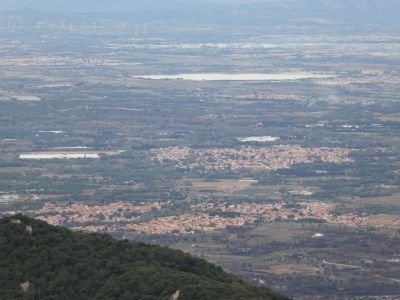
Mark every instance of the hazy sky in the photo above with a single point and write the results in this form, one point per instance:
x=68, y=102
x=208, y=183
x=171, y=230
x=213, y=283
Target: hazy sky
x=363, y=5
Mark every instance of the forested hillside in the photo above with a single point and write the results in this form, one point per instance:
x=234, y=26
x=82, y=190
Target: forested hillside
x=39, y=261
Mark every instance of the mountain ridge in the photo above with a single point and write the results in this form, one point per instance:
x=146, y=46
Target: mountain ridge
x=40, y=261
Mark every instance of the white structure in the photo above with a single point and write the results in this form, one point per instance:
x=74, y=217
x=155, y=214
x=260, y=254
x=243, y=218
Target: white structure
x=58, y=155
x=260, y=139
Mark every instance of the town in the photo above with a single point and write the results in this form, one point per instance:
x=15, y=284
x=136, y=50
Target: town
x=269, y=158
x=125, y=217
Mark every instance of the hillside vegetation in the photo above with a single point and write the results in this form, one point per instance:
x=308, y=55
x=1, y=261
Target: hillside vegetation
x=39, y=261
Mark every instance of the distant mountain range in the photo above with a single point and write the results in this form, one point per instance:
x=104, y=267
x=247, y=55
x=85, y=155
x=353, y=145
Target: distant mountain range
x=39, y=261
x=323, y=13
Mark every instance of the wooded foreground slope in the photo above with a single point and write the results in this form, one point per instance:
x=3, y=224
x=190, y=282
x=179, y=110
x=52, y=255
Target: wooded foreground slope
x=39, y=261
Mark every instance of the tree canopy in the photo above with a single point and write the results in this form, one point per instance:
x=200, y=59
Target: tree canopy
x=39, y=261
